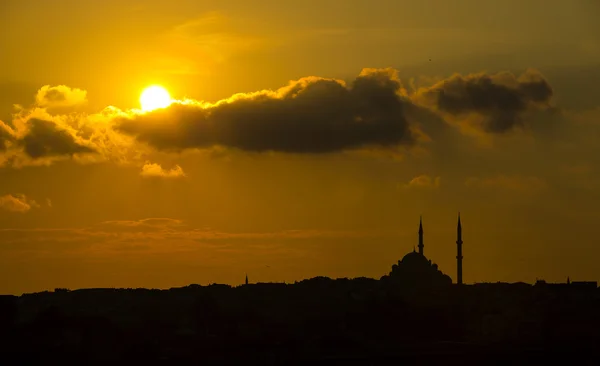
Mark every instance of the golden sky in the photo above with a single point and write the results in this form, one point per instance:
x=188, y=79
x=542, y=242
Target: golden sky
x=303, y=139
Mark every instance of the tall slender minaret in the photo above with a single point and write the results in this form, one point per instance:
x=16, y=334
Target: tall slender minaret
x=459, y=256
x=421, y=246
x=246, y=278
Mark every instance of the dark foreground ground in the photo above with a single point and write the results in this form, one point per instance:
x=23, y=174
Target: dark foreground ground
x=430, y=354
x=318, y=321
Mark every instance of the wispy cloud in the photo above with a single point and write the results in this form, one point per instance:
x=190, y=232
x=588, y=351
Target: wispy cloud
x=161, y=235
x=423, y=181
x=156, y=170
x=197, y=45
x=17, y=203
x=60, y=96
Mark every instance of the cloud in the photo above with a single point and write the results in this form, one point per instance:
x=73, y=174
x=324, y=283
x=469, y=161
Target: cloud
x=46, y=139
x=498, y=100
x=163, y=236
x=513, y=183
x=161, y=222
x=311, y=115
x=374, y=114
x=17, y=203
x=213, y=35
x=156, y=170
x=174, y=228
x=39, y=138
x=6, y=135
x=141, y=225
x=50, y=130
x=423, y=181
x=204, y=42
x=60, y=96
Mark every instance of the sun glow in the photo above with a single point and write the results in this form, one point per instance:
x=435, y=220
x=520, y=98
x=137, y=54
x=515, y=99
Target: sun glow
x=154, y=97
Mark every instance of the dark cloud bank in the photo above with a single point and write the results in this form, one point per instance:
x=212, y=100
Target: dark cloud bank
x=44, y=139
x=311, y=115
x=315, y=115
x=500, y=98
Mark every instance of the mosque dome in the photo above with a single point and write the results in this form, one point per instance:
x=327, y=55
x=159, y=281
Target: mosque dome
x=414, y=257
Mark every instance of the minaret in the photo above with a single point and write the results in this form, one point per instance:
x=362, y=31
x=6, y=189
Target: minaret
x=246, y=278
x=459, y=256
x=421, y=236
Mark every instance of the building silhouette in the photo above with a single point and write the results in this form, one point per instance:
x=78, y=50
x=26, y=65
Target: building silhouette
x=421, y=245
x=459, y=257
x=415, y=269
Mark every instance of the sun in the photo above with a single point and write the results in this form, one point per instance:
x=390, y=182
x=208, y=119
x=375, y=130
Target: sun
x=154, y=97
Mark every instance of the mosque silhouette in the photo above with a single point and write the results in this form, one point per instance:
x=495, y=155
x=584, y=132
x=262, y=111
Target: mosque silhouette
x=415, y=269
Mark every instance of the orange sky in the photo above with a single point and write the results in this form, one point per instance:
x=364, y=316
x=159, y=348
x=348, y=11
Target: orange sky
x=303, y=140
